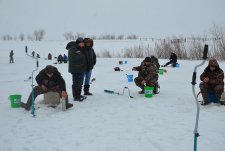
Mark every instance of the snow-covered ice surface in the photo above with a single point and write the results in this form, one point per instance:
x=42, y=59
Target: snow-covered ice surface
x=106, y=122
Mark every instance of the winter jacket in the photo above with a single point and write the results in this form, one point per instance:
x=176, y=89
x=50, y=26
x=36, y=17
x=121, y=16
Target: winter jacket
x=60, y=58
x=216, y=77
x=77, y=59
x=50, y=82
x=91, y=57
x=154, y=61
x=11, y=54
x=173, y=57
x=148, y=72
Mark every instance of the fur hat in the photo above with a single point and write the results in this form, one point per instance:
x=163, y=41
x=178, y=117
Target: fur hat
x=70, y=44
x=49, y=69
x=79, y=40
x=213, y=62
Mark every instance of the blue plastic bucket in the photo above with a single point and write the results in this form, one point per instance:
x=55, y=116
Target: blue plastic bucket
x=130, y=78
x=178, y=65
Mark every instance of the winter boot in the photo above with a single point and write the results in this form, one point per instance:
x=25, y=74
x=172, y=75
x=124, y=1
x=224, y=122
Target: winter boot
x=86, y=90
x=142, y=90
x=73, y=90
x=23, y=105
x=77, y=94
x=80, y=90
x=156, y=88
x=68, y=105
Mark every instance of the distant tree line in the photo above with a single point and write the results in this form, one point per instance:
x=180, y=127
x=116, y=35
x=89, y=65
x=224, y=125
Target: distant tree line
x=74, y=36
x=37, y=35
x=185, y=48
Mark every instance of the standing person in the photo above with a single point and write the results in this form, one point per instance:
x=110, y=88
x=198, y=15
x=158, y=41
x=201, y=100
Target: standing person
x=148, y=75
x=91, y=61
x=49, y=56
x=33, y=54
x=77, y=66
x=212, y=81
x=49, y=80
x=173, y=60
x=65, y=58
x=11, y=60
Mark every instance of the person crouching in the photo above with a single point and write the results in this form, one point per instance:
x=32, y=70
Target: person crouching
x=148, y=75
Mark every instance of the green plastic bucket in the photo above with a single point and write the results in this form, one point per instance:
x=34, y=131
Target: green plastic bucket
x=148, y=91
x=15, y=100
x=161, y=71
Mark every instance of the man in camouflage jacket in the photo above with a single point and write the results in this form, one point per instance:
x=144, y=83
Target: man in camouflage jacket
x=212, y=80
x=148, y=75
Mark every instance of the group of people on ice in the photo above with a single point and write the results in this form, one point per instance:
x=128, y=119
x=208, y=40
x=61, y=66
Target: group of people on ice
x=82, y=59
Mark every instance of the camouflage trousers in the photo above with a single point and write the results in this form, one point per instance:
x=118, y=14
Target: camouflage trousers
x=38, y=90
x=138, y=81
x=204, y=88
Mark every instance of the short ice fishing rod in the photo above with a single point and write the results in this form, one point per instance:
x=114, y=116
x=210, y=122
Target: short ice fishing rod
x=196, y=134
x=113, y=92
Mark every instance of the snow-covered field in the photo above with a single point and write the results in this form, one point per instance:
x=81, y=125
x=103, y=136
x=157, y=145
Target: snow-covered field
x=105, y=122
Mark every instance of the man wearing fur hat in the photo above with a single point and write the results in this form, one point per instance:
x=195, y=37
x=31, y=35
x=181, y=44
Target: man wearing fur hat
x=212, y=81
x=77, y=66
x=148, y=75
x=49, y=80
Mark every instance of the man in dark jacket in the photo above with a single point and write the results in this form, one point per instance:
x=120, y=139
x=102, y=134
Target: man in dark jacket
x=173, y=60
x=77, y=66
x=49, y=80
x=60, y=59
x=65, y=58
x=11, y=60
x=148, y=75
x=212, y=81
x=91, y=61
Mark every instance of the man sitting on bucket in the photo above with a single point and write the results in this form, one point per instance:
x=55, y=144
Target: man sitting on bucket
x=212, y=82
x=49, y=80
x=148, y=75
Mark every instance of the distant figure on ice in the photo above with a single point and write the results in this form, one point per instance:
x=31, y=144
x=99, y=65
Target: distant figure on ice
x=65, y=58
x=49, y=56
x=37, y=56
x=173, y=60
x=11, y=60
x=148, y=75
x=212, y=81
x=33, y=54
x=91, y=61
x=60, y=59
x=26, y=49
x=49, y=80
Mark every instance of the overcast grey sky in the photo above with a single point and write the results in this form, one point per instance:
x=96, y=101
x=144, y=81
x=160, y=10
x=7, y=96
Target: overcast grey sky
x=146, y=18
